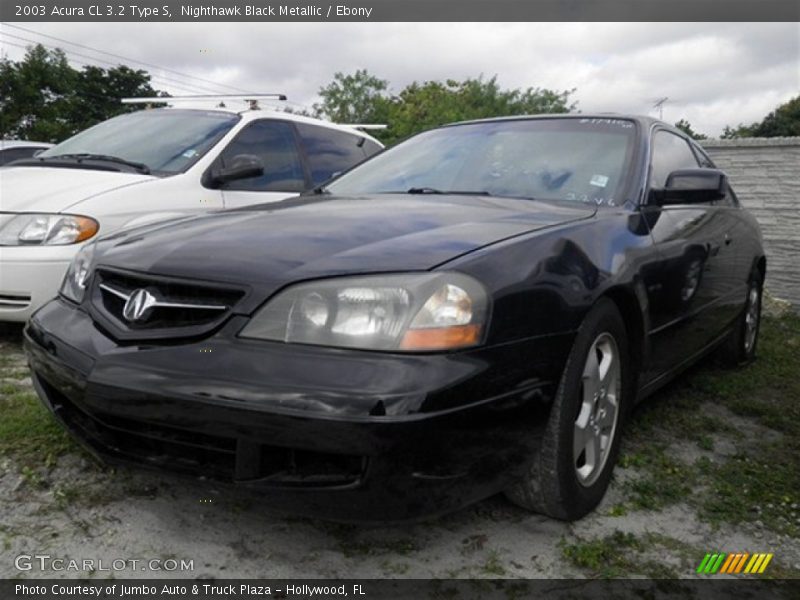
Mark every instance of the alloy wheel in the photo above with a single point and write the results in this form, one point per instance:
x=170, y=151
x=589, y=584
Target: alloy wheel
x=596, y=423
x=751, y=317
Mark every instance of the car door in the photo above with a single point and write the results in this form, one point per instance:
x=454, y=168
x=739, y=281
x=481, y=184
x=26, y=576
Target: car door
x=739, y=255
x=694, y=265
x=274, y=142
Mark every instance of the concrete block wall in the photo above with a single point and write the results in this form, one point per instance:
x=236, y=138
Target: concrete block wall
x=765, y=174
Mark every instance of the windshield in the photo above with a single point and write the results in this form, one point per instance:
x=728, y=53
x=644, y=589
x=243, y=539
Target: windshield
x=581, y=160
x=167, y=141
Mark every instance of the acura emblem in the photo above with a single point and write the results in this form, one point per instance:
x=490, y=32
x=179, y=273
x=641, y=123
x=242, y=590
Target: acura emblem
x=138, y=304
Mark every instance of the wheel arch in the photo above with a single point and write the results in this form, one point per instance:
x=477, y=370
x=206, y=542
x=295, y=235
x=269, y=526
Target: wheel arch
x=761, y=267
x=633, y=317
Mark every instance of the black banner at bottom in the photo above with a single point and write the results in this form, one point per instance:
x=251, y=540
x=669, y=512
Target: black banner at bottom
x=372, y=589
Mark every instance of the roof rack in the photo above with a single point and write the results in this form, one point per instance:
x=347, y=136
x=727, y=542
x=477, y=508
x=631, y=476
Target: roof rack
x=250, y=99
x=365, y=126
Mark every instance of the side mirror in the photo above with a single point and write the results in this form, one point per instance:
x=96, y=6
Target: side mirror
x=242, y=166
x=692, y=186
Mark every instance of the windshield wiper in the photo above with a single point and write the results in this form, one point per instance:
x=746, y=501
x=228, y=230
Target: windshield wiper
x=141, y=167
x=430, y=190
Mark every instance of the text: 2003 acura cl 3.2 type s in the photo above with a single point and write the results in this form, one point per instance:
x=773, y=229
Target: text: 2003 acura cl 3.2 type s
x=472, y=311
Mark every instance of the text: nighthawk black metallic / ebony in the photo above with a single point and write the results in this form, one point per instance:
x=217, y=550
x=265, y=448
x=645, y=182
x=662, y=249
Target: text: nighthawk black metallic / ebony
x=473, y=311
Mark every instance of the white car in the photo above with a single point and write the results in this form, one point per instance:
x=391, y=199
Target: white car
x=152, y=165
x=11, y=150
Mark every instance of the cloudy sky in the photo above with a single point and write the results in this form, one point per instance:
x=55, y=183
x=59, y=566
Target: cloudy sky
x=713, y=74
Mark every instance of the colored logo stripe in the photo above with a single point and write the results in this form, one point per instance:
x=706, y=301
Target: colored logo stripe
x=738, y=562
x=726, y=566
x=711, y=563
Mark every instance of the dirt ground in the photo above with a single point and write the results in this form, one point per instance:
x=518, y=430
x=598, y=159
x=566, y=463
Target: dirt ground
x=651, y=523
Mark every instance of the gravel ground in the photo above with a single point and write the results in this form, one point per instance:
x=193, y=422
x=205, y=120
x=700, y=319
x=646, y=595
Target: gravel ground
x=70, y=507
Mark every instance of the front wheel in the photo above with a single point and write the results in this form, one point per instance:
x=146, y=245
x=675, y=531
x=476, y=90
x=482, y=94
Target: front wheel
x=570, y=473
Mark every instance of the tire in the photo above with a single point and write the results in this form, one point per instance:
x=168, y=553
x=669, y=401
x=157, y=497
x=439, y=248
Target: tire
x=739, y=348
x=568, y=476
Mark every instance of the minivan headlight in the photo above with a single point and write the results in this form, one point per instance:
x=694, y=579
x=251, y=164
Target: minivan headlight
x=73, y=287
x=39, y=229
x=405, y=312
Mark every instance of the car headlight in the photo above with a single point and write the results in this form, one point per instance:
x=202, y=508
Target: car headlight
x=75, y=281
x=36, y=229
x=407, y=313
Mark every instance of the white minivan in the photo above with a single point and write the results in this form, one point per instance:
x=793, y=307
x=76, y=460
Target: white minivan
x=152, y=165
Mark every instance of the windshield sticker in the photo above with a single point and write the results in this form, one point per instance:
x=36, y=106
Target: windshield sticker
x=190, y=153
x=599, y=180
x=618, y=122
x=586, y=199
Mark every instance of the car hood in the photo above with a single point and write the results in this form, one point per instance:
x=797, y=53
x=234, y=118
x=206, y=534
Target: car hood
x=50, y=189
x=305, y=238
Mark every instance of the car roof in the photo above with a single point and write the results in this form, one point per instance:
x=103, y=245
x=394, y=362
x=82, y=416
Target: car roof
x=4, y=144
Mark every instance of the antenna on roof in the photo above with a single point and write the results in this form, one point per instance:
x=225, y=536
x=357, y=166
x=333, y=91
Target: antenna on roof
x=365, y=126
x=660, y=106
x=250, y=99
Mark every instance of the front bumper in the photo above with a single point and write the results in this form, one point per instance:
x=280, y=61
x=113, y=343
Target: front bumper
x=29, y=277
x=338, y=434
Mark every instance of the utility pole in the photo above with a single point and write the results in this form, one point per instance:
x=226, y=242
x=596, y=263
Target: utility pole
x=660, y=106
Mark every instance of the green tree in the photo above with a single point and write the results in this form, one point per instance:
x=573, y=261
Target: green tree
x=364, y=98
x=783, y=121
x=35, y=96
x=741, y=130
x=686, y=127
x=357, y=98
x=433, y=103
x=43, y=98
x=98, y=93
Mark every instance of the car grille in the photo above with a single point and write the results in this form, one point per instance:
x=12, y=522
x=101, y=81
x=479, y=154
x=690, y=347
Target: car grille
x=212, y=456
x=137, y=306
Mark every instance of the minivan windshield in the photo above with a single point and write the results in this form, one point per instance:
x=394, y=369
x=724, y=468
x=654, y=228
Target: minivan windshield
x=569, y=159
x=166, y=141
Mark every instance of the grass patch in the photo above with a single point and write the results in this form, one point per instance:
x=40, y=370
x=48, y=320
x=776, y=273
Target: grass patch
x=616, y=555
x=759, y=486
x=666, y=482
x=493, y=565
x=395, y=547
x=28, y=432
x=761, y=481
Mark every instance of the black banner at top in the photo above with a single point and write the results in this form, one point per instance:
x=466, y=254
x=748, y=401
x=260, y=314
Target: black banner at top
x=399, y=10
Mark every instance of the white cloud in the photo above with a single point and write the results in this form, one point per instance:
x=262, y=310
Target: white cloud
x=714, y=74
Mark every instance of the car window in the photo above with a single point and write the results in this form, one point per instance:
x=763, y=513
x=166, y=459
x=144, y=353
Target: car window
x=705, y=161
x=576, y=160
x=167, y=140
x=274, y=143
x=330, y=151
x=670, y=153
x=9, y=154
x=371, y=147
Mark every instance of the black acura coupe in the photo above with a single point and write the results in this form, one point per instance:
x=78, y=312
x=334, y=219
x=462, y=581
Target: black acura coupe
x=475, y=310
